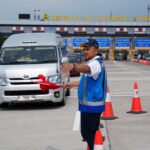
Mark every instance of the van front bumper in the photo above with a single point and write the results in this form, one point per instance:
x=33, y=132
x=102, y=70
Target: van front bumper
x=28, y=93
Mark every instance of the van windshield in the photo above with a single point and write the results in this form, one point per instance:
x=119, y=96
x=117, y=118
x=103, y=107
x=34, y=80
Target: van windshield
x=28, y=55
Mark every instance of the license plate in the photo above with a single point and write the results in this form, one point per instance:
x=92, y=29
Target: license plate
x=26, y=98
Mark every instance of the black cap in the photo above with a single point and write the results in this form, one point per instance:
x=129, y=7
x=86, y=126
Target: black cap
x=91, y=42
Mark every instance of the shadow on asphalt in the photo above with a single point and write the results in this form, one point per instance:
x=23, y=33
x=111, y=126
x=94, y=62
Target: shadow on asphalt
x=29, y=106
x=50, y=148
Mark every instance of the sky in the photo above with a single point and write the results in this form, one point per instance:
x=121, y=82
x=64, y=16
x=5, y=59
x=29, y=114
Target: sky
x=9, y=9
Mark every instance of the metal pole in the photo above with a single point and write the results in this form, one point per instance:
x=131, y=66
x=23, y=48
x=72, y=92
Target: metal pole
x=148, y=9
x=111, y=16
x=35, y=15
x=38, y=15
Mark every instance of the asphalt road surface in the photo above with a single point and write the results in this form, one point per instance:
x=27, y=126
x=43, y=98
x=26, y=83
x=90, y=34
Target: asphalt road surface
x=45, y=126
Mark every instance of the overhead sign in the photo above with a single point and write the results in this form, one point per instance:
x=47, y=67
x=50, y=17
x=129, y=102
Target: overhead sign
x=100, y=18
x=122, y=43
x=103, y=42
x=142, y=43
x=77, y=41
x=24, y=16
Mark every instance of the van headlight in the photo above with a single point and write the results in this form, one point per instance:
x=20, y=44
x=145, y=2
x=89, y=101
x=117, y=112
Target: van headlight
x=2, y=82
x=54, y=79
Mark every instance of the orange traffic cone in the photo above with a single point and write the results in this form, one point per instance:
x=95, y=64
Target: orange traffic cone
x=136, y=107
x=98, y=142
x=108, y=113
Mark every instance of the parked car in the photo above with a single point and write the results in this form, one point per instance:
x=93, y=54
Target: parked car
x=73, y=58
x=23, y=57
x=120, y=56
x=146, y=57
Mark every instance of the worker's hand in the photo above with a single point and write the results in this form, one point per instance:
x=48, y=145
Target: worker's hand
x=65, y=68
x=69, y=85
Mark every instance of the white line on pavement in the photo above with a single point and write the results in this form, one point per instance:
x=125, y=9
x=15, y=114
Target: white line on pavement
x=120, y=94
x=130, y=79
x=123, y=72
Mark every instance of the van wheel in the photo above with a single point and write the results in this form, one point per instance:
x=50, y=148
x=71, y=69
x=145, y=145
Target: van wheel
x=68, y=92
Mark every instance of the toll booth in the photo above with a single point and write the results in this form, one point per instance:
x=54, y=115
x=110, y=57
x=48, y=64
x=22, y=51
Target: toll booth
x=122, y=49
x=142, y=46
x=104, y=53
x=104, y=47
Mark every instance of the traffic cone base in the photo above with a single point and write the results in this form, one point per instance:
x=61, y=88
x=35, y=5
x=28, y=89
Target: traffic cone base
x=134, y=112
x=108, y=113
x=109, y=118
x=98, y=147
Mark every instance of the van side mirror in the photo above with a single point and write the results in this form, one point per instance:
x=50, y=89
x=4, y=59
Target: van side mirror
x=65, y=60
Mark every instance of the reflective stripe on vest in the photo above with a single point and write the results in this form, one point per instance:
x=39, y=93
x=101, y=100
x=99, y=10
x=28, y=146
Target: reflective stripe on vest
x=84, y=87
x=84, y=102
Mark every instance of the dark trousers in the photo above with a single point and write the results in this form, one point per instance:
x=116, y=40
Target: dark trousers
x=89, y=125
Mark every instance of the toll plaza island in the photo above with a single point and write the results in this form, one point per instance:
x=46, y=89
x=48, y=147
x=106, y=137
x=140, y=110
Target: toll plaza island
x=128, y=36
x=124, y=124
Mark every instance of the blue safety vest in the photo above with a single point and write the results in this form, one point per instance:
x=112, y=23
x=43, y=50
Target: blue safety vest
x=92, y=93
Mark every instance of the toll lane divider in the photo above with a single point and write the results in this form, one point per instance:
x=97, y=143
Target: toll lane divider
x=143, y=62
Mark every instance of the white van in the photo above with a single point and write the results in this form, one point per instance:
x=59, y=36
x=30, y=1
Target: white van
x=22, y=58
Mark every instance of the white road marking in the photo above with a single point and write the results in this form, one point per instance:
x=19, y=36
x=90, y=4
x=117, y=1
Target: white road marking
x=123, y=72
x=124, y=94
x=130, y=79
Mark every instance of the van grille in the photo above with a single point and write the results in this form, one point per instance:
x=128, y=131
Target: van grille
x=19, y=83
x=29, y=92
x=22, y=78
x=22, y=81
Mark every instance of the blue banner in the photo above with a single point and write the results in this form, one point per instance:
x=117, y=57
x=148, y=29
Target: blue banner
x=65, y=42
x=51, y=28
x=77, y=41
x=122, y=43
x=103, y=42
x=143, y=42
